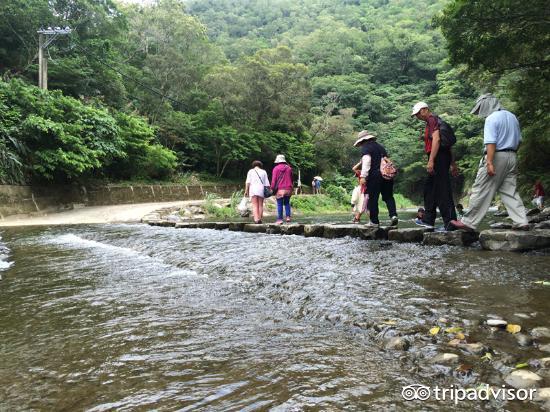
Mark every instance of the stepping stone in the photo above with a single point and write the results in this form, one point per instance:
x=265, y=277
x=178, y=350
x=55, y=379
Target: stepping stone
x=415, y=235
x=314, y=230
x=455, y=238
x=338, y=231
x=514, y=240
x=293, y=229
x=255, y=228
x=222, y=225
x=186, y=225
x=236, y=226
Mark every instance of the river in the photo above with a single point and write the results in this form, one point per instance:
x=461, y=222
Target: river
x=133, y=317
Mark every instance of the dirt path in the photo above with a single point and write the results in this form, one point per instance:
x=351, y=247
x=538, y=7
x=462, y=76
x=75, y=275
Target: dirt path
x=94, y=214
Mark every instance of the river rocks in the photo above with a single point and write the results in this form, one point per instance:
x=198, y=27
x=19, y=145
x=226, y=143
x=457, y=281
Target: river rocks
x=543, y=225
x=545, y=348
x=499, y=323
x=532, y=212
x=540, y=332
x=222, y=225
x=545, y=362
x=273, y=229
x=397, y=343
x=455, y=238
x=523, y=379
x=523, y=339
x=472, y=348
x=314, y=230
x=515, y=241
x=543, y=394
x=445, y=359
x=415, y=235
x=540, y=217
x=503, y=213
x=186, y=225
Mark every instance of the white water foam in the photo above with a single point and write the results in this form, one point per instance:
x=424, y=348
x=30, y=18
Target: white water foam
x=78, y=242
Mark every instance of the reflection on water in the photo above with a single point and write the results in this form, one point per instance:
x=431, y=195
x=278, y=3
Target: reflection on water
x=134, y=317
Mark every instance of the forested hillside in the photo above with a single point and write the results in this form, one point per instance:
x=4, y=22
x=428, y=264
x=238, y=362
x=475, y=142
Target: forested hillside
x=208, y=86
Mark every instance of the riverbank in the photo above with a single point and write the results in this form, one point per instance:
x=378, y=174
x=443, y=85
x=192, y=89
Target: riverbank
x=96, y=214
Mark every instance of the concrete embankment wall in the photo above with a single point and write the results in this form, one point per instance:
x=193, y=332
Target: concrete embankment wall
x=35, y=199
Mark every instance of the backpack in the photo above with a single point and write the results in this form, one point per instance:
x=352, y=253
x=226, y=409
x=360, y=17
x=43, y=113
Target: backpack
x=387, y=169
x=446, y=133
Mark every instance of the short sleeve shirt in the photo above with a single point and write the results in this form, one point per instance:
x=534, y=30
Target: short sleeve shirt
x=431, y=126
x=502, y=129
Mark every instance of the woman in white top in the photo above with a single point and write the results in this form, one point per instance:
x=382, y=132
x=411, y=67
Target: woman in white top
x=256, y=179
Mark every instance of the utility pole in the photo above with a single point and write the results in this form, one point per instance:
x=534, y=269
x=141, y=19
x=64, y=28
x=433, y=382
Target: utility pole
x=45, y=38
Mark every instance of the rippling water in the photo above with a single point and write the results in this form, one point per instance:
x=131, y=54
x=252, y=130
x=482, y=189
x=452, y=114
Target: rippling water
x=131, y=317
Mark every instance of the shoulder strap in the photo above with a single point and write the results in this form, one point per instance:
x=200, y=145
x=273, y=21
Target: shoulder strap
x=261, y=180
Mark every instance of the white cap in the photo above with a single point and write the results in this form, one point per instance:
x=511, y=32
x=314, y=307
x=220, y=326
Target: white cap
x=419, y=106
x=280, y=159
x=363, y=136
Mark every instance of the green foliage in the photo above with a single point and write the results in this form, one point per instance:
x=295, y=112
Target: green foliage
x=65, y=139
x=213, y=208
x=317, y=204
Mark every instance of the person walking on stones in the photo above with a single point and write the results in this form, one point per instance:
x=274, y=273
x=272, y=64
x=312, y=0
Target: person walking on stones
x=538, y=195
x=497, y=171
x=437, y=187
x=372, y=154
x=281, y=184
x=256, y=180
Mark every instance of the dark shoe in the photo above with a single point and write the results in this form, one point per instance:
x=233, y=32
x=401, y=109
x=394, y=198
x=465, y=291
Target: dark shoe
x=394, y=220
x=423, y=224
x=461, y=226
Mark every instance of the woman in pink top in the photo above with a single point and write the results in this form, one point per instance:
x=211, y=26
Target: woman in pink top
x=281, y=183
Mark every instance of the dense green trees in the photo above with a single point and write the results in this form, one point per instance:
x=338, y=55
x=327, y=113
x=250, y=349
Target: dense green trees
x=222, y=82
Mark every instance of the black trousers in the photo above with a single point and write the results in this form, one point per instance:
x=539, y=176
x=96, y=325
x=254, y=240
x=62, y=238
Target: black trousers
x=438, y=192
x=376, y=185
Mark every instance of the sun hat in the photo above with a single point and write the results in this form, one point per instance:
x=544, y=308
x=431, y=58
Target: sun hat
x=363, y=136
x=419, y=106
x=485, y=105
x=280, y=159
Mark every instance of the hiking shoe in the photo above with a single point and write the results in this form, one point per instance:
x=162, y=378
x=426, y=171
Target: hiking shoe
x=422, y=223
x=394, y=220
x=461, y=226
x=279, y=222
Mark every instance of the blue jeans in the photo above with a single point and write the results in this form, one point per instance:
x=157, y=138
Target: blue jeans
x=280, y=201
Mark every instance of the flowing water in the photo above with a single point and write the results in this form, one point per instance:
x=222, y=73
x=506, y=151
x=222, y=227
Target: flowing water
x=132, y=317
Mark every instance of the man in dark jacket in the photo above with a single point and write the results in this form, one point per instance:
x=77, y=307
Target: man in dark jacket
x=372, y=154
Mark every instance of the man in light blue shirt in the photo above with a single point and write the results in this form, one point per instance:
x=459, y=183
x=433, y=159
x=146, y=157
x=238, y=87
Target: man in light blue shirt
x=498, y=168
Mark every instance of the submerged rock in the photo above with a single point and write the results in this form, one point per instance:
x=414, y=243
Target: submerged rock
x=523, y=339
x=455, y=238
x=522, y=379
x=540, y=332
x=543, y=394
x=545, y=362
x=445, y=359
x=397, y=343
x=497, y=322
x=515, y=241
x=472, y=348
x=545, y=348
